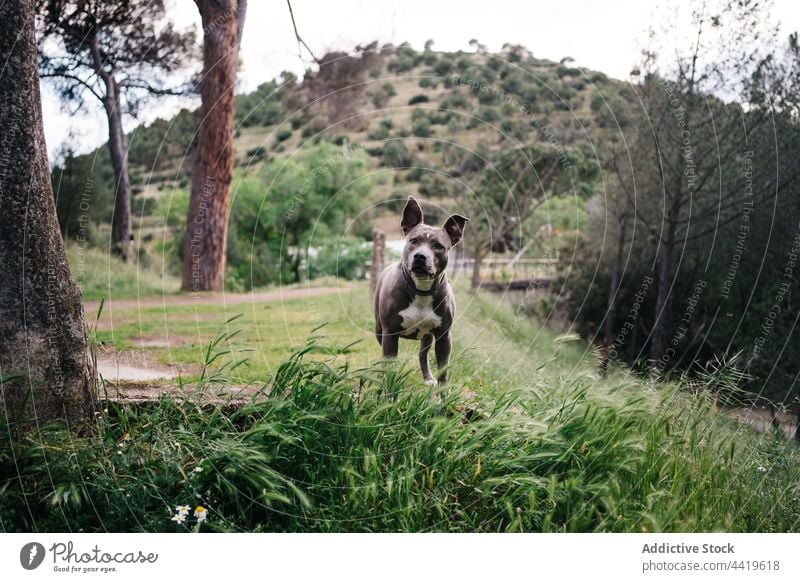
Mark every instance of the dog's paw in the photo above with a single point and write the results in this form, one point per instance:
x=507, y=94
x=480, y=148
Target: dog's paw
x=431, y=382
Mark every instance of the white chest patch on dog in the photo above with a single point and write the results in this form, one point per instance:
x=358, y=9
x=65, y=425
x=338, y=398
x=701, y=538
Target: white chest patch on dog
x=420, y=317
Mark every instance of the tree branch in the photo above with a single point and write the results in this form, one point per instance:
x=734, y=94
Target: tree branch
x=73, y=78
x=300, y=41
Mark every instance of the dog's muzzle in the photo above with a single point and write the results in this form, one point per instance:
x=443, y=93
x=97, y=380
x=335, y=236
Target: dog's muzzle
x=420, y=266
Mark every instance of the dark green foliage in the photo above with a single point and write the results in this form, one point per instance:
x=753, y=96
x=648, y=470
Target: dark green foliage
x=439, y=117
x=254, y=239
x=308, y=200
x=83, y=187
x=163, y=144
x=443, y=66
x=512, y=83
x=383, y=131
x=565, y=71
x=456, y=100
x=428, y=82
x=382, y=94
x=420, y=123
x=421, y=98
x=257, y=153
x=414, y=174
x=262, y=107
x=283, y=134
x=396, y=154
x=401, y=64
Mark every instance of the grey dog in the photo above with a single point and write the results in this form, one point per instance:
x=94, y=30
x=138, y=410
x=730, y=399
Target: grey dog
x=413, y=298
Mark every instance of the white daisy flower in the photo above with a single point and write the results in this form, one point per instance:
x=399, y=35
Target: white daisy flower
x=201, y=513
x=179, y=518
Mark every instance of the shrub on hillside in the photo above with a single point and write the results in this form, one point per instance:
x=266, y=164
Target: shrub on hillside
x=443, y=66
x=401, y=64
x=396, y=155
x=456, y=100
x=421, y=126
x=428, y=82
x=383, y=131
x=380, y=96
x=283, y=134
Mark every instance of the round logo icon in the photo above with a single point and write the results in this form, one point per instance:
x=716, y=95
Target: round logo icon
x=31, y=555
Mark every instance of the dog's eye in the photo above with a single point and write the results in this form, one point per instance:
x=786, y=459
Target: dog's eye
x=438, y=246
x=414, y=241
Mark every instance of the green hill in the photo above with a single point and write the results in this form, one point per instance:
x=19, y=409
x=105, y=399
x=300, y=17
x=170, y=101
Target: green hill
x=423, y=122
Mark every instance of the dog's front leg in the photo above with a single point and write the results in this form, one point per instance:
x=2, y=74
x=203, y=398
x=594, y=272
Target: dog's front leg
x=390, y=343
x=425, y=346
x=442, y=349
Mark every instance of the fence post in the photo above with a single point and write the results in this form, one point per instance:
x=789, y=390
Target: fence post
x=378, y=250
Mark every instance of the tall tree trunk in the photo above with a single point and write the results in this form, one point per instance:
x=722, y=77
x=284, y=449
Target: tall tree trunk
x=662, y=315
x=45, y=369
x=121, y=227
x=613, y=287
x=205, y=243
x=476, y=266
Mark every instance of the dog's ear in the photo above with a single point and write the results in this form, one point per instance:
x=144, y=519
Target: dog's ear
x=412, y=215
x=454, y=227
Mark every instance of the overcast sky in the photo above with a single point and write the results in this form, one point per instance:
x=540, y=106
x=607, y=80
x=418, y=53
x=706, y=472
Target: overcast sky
x=603, y=35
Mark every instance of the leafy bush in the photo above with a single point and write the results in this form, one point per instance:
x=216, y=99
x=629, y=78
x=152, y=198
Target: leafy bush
x=258, y=152
x=428, y=82
x=401, y=64
x=311, y=195
x=254, y=242
x=456, y=100
x=172, y=208
x=488, y=114
x=439, y=117
x=84, y=191
x=421, y=124
x=283, y=134
x=383, y=131
x=261, y=108
x=396, y=155
x=418, y=99
x=443, y=66
x=380, y=96
x=346, y=258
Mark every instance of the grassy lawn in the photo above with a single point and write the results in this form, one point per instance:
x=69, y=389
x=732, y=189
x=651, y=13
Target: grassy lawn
x=346, y=443
x=267, y=333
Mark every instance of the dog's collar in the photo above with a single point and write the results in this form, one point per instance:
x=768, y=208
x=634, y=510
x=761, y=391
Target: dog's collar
x=413, y=288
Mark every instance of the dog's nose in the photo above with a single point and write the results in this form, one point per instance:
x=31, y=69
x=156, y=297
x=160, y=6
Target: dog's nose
x=419, y=258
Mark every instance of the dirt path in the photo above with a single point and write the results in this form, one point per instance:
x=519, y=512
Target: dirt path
x=213, y=298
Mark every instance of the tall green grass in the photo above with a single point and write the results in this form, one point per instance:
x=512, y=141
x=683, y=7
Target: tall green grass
x=332, y=448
